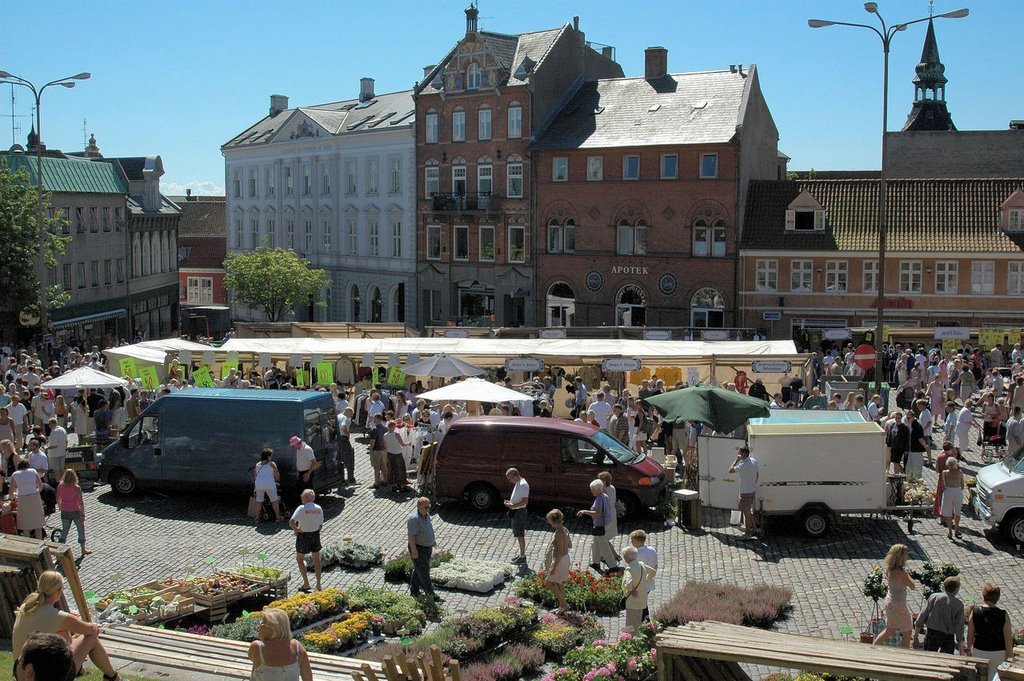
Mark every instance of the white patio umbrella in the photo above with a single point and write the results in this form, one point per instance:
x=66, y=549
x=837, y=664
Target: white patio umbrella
x=443, y=366
x=85, y=377
x=476, y=390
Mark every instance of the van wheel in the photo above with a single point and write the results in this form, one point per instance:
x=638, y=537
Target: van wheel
x=123, y=483
x=631, y=504
x=815, y=522
x=482, y=497
x=1013, y=528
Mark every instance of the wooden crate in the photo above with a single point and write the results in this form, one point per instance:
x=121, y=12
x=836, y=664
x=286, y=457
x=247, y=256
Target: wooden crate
x=276, y=588
x=181, y=607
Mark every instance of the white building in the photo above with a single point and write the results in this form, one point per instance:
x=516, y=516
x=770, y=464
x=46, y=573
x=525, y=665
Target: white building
x=336, y=184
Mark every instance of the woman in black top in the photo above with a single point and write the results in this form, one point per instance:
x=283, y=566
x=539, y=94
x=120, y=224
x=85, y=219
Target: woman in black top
x=989, y=633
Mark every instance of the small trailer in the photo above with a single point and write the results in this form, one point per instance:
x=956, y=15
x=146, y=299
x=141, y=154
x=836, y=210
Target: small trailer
x=814, y=465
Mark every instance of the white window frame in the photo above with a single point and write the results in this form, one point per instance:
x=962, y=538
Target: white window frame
x=289, y=181
x=459, y=172
x=271, y=180
x=290, y=233
x=395, y=172
x=351, y=177
x=325, y=180
x=631, y=239
x=819, y=220
x=911, y=273
x=431, y=180
x=272, y=231
x=801, y=275
x=481, y=230
x=236, y=185
x=983, y=277
x=555, y=237
x=372, y=175
x=869, y=276
x=700, y=171
x=252, y=183
x=474, y=76
x=433, y=241
x=254, y=228
x=459, y=125
x=485, y=173
x=595, y=168
x=514, y=229
x=396, y=237
x=837, y=276
x=373, y=227
x=199, y=290
x=456, y=231
x=947, y=277
x=515, y=121
x=1015, y=278
x=308, y=236
x=719, y=241
x=325, y=229
x=701, y=247
x=560, y=169
x=307, y=180
x=353, y=237
x=625, y=167
x=1015, y=219
x=675, y=168
x=430, y=126
x=514, y=171
x=483, y=123
x=766, y=275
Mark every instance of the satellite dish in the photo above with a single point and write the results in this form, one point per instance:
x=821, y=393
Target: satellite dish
x=29, y=316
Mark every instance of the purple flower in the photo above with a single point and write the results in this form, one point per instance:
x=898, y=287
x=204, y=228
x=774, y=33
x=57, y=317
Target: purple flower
x=631, y=664
x=625, y=636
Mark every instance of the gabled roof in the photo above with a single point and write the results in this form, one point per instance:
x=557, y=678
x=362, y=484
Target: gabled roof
x=925, y=215
x=679, y=108
x=202, y=216
x=382, y=112
x=72, y=175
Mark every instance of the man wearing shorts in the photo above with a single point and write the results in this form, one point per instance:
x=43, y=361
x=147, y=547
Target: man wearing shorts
x=306, y=523
x=745, y=467
x=516, y=506
x=305, y=457
x=378, y=451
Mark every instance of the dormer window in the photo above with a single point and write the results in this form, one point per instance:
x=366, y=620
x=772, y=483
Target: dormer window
x=1015, y=220
x=1012, y=212
x=474, y=77
x=805, y=214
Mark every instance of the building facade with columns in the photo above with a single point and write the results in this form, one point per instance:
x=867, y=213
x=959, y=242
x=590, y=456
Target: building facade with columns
x=641, y=186
x=477, y=110
x=336, y=184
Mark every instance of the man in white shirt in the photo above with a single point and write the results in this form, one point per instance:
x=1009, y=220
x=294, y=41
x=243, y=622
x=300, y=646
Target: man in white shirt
x=306, y=523
x=1014, y=431
x=36, y=458
x=745, y=466
x=602, y=410
x=516, y=506
x=57, y=448
x=348, y=454
x=304, y=459
x=964, y=420
x=19, y=414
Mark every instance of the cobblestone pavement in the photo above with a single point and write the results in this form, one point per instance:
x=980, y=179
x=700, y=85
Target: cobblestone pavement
x=154, y=535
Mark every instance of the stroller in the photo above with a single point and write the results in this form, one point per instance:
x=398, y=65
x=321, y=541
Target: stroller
x=9, y=521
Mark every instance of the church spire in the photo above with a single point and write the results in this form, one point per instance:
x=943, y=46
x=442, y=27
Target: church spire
x=929, y=111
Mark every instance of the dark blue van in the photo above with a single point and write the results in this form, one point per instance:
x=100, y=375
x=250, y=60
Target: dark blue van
x=210, y=439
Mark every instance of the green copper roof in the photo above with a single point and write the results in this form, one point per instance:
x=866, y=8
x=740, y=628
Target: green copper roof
x=61, y=175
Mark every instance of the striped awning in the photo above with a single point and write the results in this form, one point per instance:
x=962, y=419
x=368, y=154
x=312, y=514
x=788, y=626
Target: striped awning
x=86, y=319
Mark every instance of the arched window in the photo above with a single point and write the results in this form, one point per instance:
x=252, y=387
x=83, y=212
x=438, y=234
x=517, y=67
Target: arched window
x=356, y=303
x=561, y=236
x=631, y=238
x=709, y=239
x=474, y=77
x=561, y=304
x=136, y=256
x=147, y=255
x=707, y=308
x=630, y=306
x=376, y=305
x=328, y=309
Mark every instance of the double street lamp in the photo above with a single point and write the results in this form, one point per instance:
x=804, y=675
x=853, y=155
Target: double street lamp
x=886, y=35
x=68, y=82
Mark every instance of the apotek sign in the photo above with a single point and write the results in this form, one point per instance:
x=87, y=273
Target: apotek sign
x=621, y=364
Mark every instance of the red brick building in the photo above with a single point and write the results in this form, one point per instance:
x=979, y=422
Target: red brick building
x=202, y=245
x=641, y=184
x=476, y=112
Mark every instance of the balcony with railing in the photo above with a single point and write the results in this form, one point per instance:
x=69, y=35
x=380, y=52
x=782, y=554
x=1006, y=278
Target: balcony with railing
x=473, y=201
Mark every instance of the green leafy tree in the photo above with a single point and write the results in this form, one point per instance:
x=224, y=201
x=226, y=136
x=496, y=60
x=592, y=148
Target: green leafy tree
x=274, y=279
x=19, y=243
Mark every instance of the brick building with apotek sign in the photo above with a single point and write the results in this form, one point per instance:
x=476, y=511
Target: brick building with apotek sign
x=476, y=112
x=641, y=184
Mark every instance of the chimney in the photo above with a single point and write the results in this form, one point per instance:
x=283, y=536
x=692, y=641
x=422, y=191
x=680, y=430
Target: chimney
x=427, y=69
x=471, y=19
x=576, y=23
x=188, y=194
x=655, y=62
x=365, y=89
x=278, y=103
x=608, y=52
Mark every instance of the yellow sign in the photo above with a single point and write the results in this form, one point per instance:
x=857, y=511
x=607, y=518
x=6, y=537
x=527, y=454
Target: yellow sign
x=226, y=368
x=324, y=373
x=886, y=333
x=396, y=376
x=989, y=338
x=128, y=367
x=149, y=377
x=950, y=346
x=1013, y=336
x=202, y=377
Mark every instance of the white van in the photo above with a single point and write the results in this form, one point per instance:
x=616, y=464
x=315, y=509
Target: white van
x=1000, y=496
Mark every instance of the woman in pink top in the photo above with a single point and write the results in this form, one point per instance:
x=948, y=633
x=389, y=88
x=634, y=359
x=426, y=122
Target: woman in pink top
x=72, y=508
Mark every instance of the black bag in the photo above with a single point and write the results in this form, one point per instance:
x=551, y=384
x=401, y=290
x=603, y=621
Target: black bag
x=598, y=531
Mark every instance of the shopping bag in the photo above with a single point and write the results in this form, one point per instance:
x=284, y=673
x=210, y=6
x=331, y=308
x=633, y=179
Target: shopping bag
x=255, y=505
x=735, y=518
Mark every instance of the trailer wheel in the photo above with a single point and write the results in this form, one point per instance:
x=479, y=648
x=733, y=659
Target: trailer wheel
x=1013, y=528
x=815, y=521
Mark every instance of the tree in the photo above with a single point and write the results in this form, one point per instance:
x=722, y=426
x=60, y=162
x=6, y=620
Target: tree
x=275, y=279
x=19, y=245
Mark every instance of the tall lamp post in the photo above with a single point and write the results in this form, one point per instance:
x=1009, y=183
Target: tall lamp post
x=68, y=82
x=886, y=35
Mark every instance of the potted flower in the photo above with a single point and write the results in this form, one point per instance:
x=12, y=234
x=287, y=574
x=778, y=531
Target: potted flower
x=377, y=625
x=875, y=589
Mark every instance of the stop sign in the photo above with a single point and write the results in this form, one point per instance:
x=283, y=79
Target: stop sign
x=864, y=356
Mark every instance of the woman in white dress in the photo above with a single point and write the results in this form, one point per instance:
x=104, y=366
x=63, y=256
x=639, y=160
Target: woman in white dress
x=79, y=418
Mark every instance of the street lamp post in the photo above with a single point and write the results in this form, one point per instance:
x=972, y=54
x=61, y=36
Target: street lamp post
x=886, y=35
x=68, y=82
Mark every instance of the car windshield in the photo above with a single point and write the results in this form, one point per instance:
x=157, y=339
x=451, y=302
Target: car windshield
x=1015, y=463
x=619, y=452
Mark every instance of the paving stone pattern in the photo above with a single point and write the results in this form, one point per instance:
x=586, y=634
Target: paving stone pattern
x=155, y=535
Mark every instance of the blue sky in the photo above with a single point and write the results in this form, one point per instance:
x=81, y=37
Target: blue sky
x=181, y=78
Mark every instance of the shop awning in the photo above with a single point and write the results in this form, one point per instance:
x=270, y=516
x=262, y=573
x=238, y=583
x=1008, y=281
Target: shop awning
x=86, y=319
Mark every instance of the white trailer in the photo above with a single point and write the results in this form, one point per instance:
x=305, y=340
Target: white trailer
x=813, y=465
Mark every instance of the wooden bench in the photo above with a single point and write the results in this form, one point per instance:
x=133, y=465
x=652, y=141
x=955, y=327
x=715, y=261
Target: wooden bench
x=210, y=655
x=713, y=650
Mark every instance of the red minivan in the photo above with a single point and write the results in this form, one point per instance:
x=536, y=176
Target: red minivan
x=558, y=458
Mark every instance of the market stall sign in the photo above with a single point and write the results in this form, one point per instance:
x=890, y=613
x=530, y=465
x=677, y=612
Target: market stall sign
x=837, y=334
x=657, y=334
x=552, y=333
x=621, y=364
x=715, y=334
x=952, y=333
x=456, y=333
x=523, y=364
x=771, y=366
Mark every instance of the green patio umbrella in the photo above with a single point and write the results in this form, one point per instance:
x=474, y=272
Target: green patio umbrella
x=718, y=408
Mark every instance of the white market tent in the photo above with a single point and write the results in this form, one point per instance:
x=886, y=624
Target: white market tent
x=152, y=353
x=85, y=377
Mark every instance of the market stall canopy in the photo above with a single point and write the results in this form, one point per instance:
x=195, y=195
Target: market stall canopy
x=721, y=409
x=443, y=366
x=155, y=353
x=85, y=377
x=475, y=389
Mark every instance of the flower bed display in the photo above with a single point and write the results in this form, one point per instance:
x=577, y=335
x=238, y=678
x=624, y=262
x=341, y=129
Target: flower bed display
x=479, y=576
x=351, y=556
x=399, y=611
x=513, y=662
x=304, y=609
x=400, y=569
x=339, y=635
x=557, y=634
x=475, y=632
x=583, y=591
x=755, y=606
x=631, y=657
